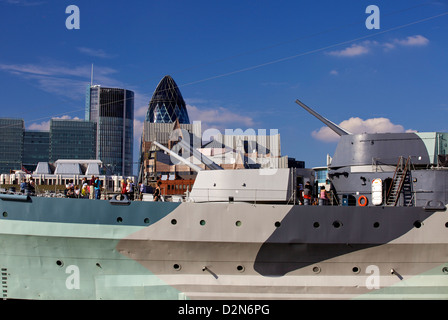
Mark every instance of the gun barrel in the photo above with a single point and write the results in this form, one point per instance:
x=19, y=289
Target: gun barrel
x=327, y=122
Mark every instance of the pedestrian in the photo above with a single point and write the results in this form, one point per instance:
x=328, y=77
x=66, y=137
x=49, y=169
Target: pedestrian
x=23, y=186
x=130, y=189
x=323, y=196
x=157, y=192
x=123, y=186
x=84, y=192
x=97, y=187
x=69, y=189
x=76, y=192
x=300, y=193
x=140, y=195
x=91, y=187
x=307, y=194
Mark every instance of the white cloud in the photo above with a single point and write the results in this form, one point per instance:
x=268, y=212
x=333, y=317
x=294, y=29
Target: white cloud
x=71, y=82
x=61, y=79
x=45, y=125
x=352, y=51
x=56, y=69
x=334, y=72
x=358, y=125
x=99, y=53
x=138, y=129
x=367, y=46
x=141, y=102
x=411, y=41
x=219, y=118
x=417, y=40
x=24, y=3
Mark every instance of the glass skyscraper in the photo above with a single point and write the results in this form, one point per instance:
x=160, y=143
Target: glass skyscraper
x=72, y=139
x=167, y=104
x=36, y=148
x=112, y=109
x=11, y=146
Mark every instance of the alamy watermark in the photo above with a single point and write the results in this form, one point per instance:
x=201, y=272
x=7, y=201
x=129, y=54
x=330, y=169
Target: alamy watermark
x=373, y=20
x=73, y=280
x=373, y=280
x=73, y=20
x=236, y=148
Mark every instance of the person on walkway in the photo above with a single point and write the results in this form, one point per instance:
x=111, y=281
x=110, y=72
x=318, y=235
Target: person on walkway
x=97, y=187
x=123, y=186
x=307, y=194
x=323, y=196
x=91, y=188
x=157, y=192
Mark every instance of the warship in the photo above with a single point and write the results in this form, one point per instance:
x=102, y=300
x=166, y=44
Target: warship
x=243, y=234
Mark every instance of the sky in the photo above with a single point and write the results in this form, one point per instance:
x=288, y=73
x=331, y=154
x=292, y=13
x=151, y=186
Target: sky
x=239, y=64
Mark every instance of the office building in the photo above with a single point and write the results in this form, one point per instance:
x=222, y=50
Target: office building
x=36, y=148
x=112, y=110
x=107, y=134
x=11, y=146
x=72, y=139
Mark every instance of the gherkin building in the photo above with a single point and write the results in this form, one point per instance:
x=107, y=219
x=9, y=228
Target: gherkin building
x=167, y=104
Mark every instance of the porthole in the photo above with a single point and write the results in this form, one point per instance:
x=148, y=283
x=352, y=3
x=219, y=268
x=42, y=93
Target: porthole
x=176, y=267
x=376, y=225
x=119, y=219
x=446, y=224
x=5, y=214
x=173, y=222
x=417, y=224
x=445, y=270
x=355, y=269
x=337, y=224
x=316, y=269
x=240, y=268
x=146, y=220
x=202, y=222
x=277, y=224
x=59, y=263
x=316, y=225
x=238, y=223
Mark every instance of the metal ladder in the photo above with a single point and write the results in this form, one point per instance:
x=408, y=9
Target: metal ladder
x=398, y=181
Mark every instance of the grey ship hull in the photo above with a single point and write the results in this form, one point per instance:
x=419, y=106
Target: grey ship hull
x=91, y=249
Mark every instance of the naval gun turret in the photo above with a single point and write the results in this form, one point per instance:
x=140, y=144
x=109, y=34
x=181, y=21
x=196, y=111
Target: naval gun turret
x=389, y=169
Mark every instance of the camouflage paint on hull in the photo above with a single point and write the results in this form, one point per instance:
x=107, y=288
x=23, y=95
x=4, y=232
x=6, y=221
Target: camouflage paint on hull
x=293, y=252
x=46, y=242
x=220, y=251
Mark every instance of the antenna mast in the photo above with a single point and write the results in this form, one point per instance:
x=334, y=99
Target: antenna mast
x=91, y=76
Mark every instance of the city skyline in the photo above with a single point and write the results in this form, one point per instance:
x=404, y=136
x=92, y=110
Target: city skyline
x=238, y=64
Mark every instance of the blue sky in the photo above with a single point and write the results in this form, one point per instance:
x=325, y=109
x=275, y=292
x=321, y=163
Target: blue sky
x=239, y=64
